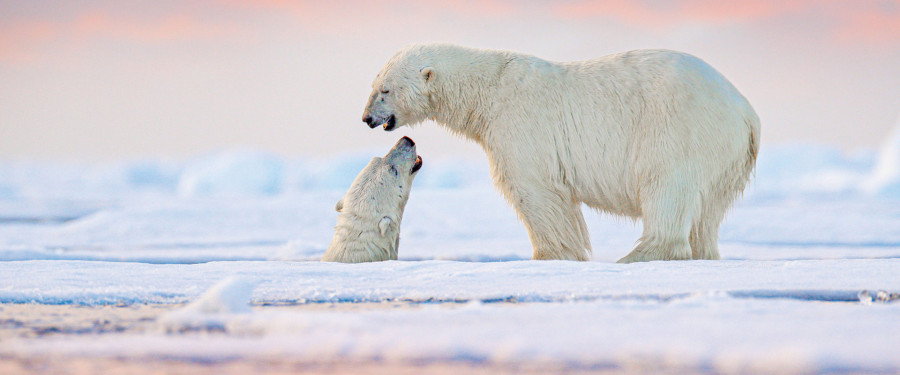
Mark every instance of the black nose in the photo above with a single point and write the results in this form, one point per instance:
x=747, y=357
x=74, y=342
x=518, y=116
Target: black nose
x=409, y=140
x=369, y=120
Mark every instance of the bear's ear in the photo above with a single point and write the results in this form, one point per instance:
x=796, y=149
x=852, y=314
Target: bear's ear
x=428, y=73
x=385, y=225
x=339, y=205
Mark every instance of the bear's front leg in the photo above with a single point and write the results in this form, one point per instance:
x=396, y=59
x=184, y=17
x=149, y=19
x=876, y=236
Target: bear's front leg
x=554, y=222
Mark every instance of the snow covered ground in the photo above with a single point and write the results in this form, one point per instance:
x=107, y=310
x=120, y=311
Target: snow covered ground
x=808, y=283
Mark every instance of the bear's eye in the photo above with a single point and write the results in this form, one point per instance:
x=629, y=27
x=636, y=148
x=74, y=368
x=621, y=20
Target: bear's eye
x=385, y=91
x=394, y=171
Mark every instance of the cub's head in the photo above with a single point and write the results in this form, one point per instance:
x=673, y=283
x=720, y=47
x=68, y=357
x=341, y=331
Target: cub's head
x=400, y=91
x=381, y=190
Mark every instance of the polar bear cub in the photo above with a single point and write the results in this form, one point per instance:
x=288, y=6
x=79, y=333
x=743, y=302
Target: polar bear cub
x=368, y=226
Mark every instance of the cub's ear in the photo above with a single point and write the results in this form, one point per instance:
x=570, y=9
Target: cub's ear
x=428, y=73
x=339, y=205
x=385, y=225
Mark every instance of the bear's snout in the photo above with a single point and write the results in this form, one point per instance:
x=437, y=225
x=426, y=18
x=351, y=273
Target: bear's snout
x=370, y=121
x=389, y=123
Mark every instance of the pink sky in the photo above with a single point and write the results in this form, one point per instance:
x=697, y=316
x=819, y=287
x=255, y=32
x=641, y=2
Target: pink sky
x=109, y=80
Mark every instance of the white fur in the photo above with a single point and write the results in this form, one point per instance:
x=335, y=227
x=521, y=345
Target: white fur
x=651, y=134
x=368, y=226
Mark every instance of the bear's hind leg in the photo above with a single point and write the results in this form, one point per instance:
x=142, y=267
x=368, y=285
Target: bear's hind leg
x=667, y=214
x=705, y=236
x=651, y=248
x=718, y=199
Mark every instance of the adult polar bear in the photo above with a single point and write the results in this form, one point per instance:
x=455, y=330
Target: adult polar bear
x=651, y=134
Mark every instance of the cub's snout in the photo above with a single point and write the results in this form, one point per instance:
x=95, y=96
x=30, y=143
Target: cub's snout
x=403, y=156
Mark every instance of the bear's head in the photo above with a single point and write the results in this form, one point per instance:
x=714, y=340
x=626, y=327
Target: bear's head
x=400, y=91
x=382, y=188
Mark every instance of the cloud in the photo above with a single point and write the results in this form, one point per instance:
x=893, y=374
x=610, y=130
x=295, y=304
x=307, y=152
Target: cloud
x=22, y=40
x=364, y=19
x=667, y=14
x=171, y=27
x=873, y=22
x=24, y=35
x=876, y=21
x=19, y=41
x=482, y=8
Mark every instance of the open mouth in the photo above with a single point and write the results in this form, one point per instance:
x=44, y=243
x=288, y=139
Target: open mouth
x=417, y=165
x=390, y=123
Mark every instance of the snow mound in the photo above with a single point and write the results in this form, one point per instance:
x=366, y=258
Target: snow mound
x=453, y=174
x=228, y=296
x=338, y=173
x=6, y=191
x=151, y=174
x=783, y=171
x=213, y=309
x=803, y=169
x=885, y=178
x=334, y=173
x=233, y=173
x=300, y=250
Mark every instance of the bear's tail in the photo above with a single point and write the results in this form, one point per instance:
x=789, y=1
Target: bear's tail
x=752, y=121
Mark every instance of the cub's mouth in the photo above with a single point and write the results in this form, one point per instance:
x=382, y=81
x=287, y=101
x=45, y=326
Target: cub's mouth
x=417, y=165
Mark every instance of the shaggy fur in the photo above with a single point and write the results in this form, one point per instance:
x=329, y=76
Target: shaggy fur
x=651, y=134
x=368, y=227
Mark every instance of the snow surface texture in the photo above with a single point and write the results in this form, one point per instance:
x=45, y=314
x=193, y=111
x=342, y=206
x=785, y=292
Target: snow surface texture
x=280, y=283
x=885, y=178
x=808, y=283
